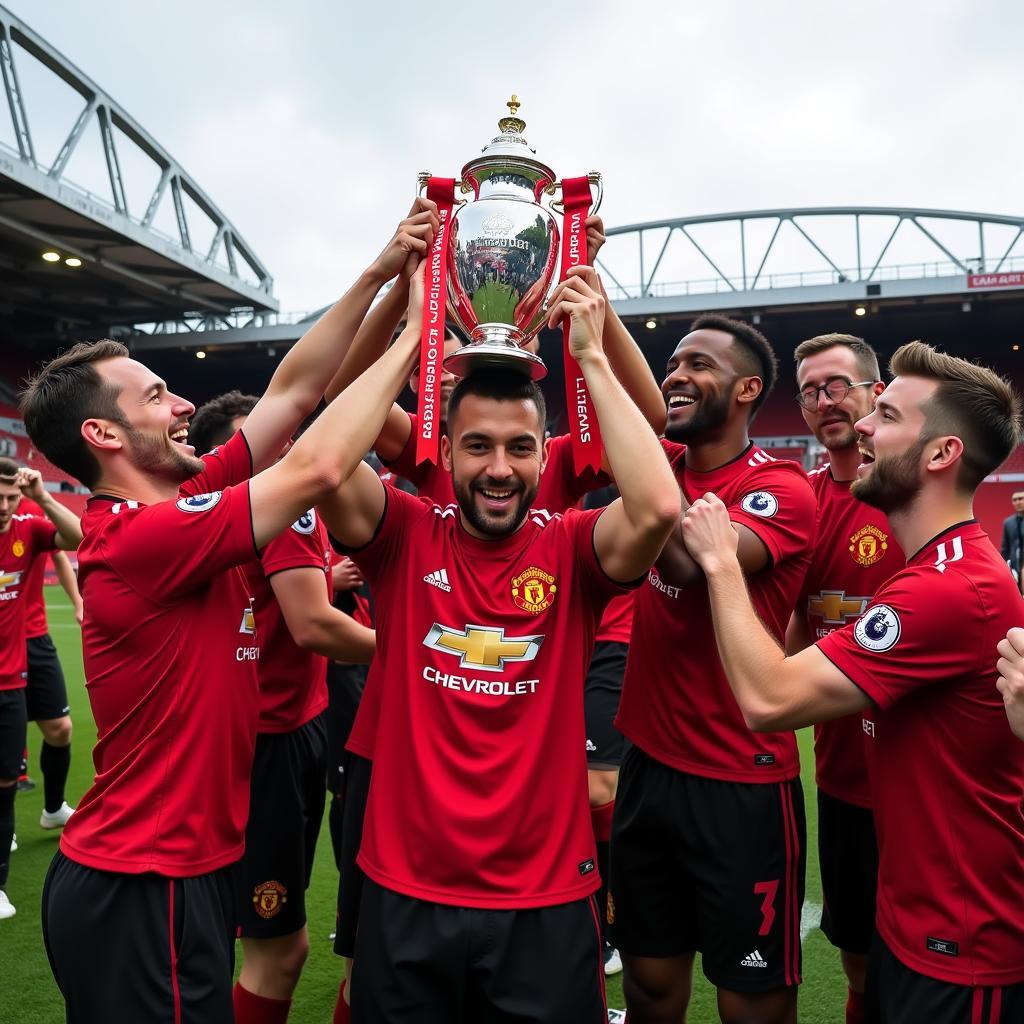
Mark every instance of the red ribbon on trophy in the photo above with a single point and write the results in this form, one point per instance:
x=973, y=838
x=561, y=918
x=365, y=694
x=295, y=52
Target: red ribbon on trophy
x=435, y=297
x=583, y=426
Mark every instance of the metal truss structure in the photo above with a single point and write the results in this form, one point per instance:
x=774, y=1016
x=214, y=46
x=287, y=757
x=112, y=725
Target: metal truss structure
x=43, y=208
x=798, y=256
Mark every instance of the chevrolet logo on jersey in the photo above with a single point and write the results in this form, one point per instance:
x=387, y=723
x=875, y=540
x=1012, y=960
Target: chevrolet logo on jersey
x=483, y=647
x=835, y=608
x=9, y=579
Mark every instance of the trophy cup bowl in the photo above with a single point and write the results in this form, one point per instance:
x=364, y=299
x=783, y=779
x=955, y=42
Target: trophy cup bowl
x=502, y=254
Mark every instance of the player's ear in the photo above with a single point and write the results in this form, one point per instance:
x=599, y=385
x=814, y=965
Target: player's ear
x=446, y=453
x=748, y=390
x=101, y=434
x=544, y=450
x=944, y=453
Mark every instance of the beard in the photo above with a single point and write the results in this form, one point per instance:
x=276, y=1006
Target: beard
x=489, y=523
x=893, y=482
x=711, y=414
x=157, y=455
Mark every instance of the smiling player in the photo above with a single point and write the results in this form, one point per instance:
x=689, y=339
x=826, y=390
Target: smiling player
x=947, y=774
x=855, y=553
x=697, y=784
x=138, y=913
x=477, y=844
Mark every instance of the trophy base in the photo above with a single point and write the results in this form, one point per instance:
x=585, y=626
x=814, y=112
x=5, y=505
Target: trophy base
x=495, y=347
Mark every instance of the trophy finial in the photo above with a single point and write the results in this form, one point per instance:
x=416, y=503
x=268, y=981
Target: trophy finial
x=512, y=124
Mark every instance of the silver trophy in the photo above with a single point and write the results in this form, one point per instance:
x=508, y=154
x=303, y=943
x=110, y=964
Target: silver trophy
x=503, y=252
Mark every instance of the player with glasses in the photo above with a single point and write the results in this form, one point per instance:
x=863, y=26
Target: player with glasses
x=836, y=389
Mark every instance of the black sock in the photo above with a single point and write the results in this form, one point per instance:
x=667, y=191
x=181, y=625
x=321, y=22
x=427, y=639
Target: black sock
x=335, y=818
x=7, y=794
x=54, y=762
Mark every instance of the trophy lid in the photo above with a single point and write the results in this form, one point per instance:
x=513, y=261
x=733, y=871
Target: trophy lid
x=508, y=152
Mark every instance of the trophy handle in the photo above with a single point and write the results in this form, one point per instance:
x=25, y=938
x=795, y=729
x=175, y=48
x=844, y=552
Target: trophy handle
x=594, y=177
x=423, y=179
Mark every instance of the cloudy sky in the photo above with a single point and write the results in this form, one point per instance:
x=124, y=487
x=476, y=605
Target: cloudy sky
x=308, y=121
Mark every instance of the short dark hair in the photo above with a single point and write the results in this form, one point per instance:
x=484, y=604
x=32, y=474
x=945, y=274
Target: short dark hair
x=756, y=355
x=65, y=393
x=211, y=423
x=8, y=470
x=972, y=402
x=500, y=385
x=867, y=358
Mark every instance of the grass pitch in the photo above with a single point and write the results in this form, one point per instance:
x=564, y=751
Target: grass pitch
x=28, y=994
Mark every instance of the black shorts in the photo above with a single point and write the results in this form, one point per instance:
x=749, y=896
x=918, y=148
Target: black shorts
x=46, y=694
x=350, y=874
x=345, y=684
x=898, y=995
x=701, y=864
x=601, y=694
x=140, y=947
x=544, y=965
x=285, y=810
x=848, y=852
x=12, y=733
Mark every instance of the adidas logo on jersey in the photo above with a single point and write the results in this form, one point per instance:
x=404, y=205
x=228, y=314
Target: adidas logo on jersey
x=439, y=578
x=753, y=960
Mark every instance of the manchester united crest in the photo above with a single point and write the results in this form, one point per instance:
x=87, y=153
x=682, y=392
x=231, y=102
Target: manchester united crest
x=868, y=545
x=18, y=549
x=269, y=898
x=533, y=590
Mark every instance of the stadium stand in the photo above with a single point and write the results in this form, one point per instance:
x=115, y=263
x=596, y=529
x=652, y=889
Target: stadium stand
x=14, y=442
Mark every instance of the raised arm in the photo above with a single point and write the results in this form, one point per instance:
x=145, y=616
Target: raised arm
x=314, y=623
x=370, y=342
x=774, y=692
x=303, y=375
x=69, y=529
x=624, y=355
x=69, y=582
x=631, y=530
x=631, y=368
x=331, y=450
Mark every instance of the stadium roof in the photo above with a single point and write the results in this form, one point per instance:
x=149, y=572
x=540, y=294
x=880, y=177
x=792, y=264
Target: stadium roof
x=129, y=270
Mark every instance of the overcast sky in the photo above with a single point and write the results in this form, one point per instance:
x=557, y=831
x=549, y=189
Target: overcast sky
x=307, y=121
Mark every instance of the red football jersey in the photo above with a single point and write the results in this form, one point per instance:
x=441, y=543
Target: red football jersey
x=947, y=774
x=479, y=789
x=293, y=681
x=170, y=650
x=35, y=603
x=560, y=488
x=617, y=622
x=676, y=702
x=24, y=545
x=854, y=554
